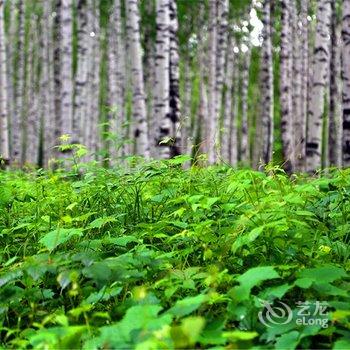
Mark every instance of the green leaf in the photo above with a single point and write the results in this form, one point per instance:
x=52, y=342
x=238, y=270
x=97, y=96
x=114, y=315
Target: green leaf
x=250, y=279
x=59, y=236
x=186, y=306
x=328, y=273
x=288, y=341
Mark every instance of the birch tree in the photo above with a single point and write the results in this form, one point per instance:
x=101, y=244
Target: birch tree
x=47, y=85
x=162, y=81
x=4, y=131
x=222, y=30
x=212, y=96
x=81, y=78
x=32, y=104
x=17, y=121
x=117, y=79
x=66, y=110
x=285, y=84
x=228, y=106
x=300, y=126
x=174, y=81
x=139, y=103
x=346, y=82
x=267, y=86
x=335, y=118
x=320, y=78
x=244, y=147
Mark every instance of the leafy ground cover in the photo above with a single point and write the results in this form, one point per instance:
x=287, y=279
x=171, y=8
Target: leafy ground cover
x=161, y=258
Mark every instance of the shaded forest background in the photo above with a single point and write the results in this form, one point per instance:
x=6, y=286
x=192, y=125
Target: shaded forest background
x=243, y=82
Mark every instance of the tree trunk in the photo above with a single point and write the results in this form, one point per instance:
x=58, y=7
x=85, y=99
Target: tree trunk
x=117, y=80
x=222, y=29
x=335, y=119
x=346, y=82
x=162, y=82
x=66, y=70
x=47, y=84
x=212, y=96
x=286, y=85
x=267, y=87
x=244, y=147
x=228, y=108
x=17, y=122
x=320, y=78
x=139, y=103
x=301, y=117
x=4, y=132
x=93, y=134
x=174, y=82
x=81, y=78
x=33, y=120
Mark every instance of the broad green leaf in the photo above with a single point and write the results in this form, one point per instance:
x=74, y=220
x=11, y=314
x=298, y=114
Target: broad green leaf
x=59, y=236
x=250, y=279
x=188, y=305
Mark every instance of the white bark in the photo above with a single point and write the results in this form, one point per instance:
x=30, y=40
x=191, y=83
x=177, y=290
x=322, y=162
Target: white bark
x=335, y=117
x=47, y=84
x=4, y=132
x=162, y=81
x=286, y=84
x=346, y=82
x=244, y=149
x=139, y=104
x=117, y=81
x=174, y=81
x=33, y=119
x=228, y=108
x=222, y=30
x=301, y=117
x=66, y=69
x=267, y=87
x=320, y=78
x=81, y=78
x=212, y=96
x=17, y=121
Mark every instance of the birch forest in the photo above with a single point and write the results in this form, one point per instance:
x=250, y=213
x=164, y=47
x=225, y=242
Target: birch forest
x=237, y=82
x=174, y=174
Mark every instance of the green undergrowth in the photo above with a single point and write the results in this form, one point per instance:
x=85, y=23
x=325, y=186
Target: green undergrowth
x=156, y=257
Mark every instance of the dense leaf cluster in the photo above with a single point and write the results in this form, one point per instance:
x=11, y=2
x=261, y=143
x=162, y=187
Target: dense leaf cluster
x=160, y=257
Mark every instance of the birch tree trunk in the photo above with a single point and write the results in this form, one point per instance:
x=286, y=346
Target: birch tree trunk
x=301, y=117
x=67, y=70
x=233, y=137
x=162, y=81
x=335, y=118
x=244, y=147
x=47, y=84
x=174, y=82
x=4, y=131
x=117, y=80
x=139, y=103
x=222, y=24
x=187, y=142
x=57, y=68
x=346, y=82
x=267, y=87
x=228, y=107
x=212, y=96
x=93, y=136
x=81, y=78
x=33, y=120
x=17, y=122
x=286, y=85
x=320, y=77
